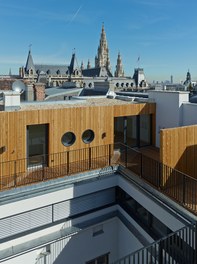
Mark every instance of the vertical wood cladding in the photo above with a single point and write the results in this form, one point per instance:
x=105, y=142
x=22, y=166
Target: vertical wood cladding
x=76, y=119
x=178, y=149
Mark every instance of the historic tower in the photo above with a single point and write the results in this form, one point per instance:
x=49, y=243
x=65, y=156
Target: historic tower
x=102, y=58
x=119, y=72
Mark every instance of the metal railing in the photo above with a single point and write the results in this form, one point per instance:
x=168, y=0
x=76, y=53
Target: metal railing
x=175, y=184
x=39, y=168
x=180, y=187
x=178, y=247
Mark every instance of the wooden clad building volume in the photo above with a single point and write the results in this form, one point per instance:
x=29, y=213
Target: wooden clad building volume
x=96, y=116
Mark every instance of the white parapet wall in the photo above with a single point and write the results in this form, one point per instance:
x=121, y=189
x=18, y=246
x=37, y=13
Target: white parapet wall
x=11, y=100
x=169, y=109
x=189, y=114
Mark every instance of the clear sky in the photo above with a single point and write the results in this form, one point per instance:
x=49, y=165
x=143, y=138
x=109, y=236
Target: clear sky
x=163, y=33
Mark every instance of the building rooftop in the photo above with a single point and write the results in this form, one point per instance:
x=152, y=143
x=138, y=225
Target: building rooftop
x=73, y=103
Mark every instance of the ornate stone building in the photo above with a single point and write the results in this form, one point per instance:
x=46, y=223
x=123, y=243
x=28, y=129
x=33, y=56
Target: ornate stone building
x=61, y=75
x=51, y=75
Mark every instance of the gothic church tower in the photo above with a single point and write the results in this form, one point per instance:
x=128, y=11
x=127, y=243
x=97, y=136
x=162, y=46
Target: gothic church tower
x=119, y=72
x=102, y=58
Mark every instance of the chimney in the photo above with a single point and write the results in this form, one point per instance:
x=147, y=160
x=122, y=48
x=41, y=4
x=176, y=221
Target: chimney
x=29, y=92
x=39, y=90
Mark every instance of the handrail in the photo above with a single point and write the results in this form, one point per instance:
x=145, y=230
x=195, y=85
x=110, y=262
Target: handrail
x=173, y=183
x=170, y=246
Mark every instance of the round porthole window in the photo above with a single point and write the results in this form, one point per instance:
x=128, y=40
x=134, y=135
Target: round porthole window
x=88, y=136
x=68, y=139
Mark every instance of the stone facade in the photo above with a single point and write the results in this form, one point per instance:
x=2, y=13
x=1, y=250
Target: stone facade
x=6, y=84
x=84, y=77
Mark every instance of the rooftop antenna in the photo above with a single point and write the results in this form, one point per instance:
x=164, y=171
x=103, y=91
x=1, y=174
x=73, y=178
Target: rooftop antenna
x=30, y=45
x=138, y=62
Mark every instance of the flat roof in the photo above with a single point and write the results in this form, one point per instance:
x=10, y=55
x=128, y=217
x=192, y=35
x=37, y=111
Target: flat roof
x=73, y=103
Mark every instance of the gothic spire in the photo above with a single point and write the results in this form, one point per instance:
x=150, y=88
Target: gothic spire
x=119, y=72
x=102, y=58
x=73, y=63
x=29, y=63
x=82, y=66
x=88, y=65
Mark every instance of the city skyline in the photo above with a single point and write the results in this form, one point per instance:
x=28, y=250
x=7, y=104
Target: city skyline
x=156, y=35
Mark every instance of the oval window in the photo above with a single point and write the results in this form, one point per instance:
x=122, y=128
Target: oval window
x=88, y=136
x=68, y=139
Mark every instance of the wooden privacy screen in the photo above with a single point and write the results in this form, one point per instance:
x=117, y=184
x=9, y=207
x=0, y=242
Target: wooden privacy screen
x=178, y=149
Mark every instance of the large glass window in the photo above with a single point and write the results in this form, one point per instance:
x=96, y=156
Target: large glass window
x=134, y=131
x=131, y=138
x=119, y=129
x=99, y=260
x=149, y=222
x=145, y=130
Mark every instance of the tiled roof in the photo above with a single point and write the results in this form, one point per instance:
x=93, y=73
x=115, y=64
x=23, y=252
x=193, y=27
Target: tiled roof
x=74, y=64
x=90, y=91
x=29, y=64
x=97, y=72
x=52, y=69
x=93, y=72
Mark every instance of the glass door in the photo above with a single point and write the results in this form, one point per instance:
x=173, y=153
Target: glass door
x=37, y=144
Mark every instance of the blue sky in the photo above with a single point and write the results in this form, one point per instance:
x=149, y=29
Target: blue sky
x=162, y=32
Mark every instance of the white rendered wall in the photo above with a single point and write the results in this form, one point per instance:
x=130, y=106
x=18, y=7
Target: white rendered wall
x=11, y=99
x=189, y=114
x=169, y=109
x=42, y=199
x=84, y=246
x=116, y=240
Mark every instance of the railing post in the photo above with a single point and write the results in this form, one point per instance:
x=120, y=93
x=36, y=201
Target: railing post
x=15, y=176
x=184, y=182
x=141, y=168
x=195, y=242
x=90, y=156
x=159, y=176
x=67, y=161
x=160, y=252
x=109, y=158
x=43, y=163
x=126, y=153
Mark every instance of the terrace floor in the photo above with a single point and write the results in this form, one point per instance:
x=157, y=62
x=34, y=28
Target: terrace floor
x=151, y=151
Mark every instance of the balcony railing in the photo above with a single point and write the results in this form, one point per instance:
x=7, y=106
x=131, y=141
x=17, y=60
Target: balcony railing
x=178, y=247
x=180, y=187
x=175, y=184
x=46, y=167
